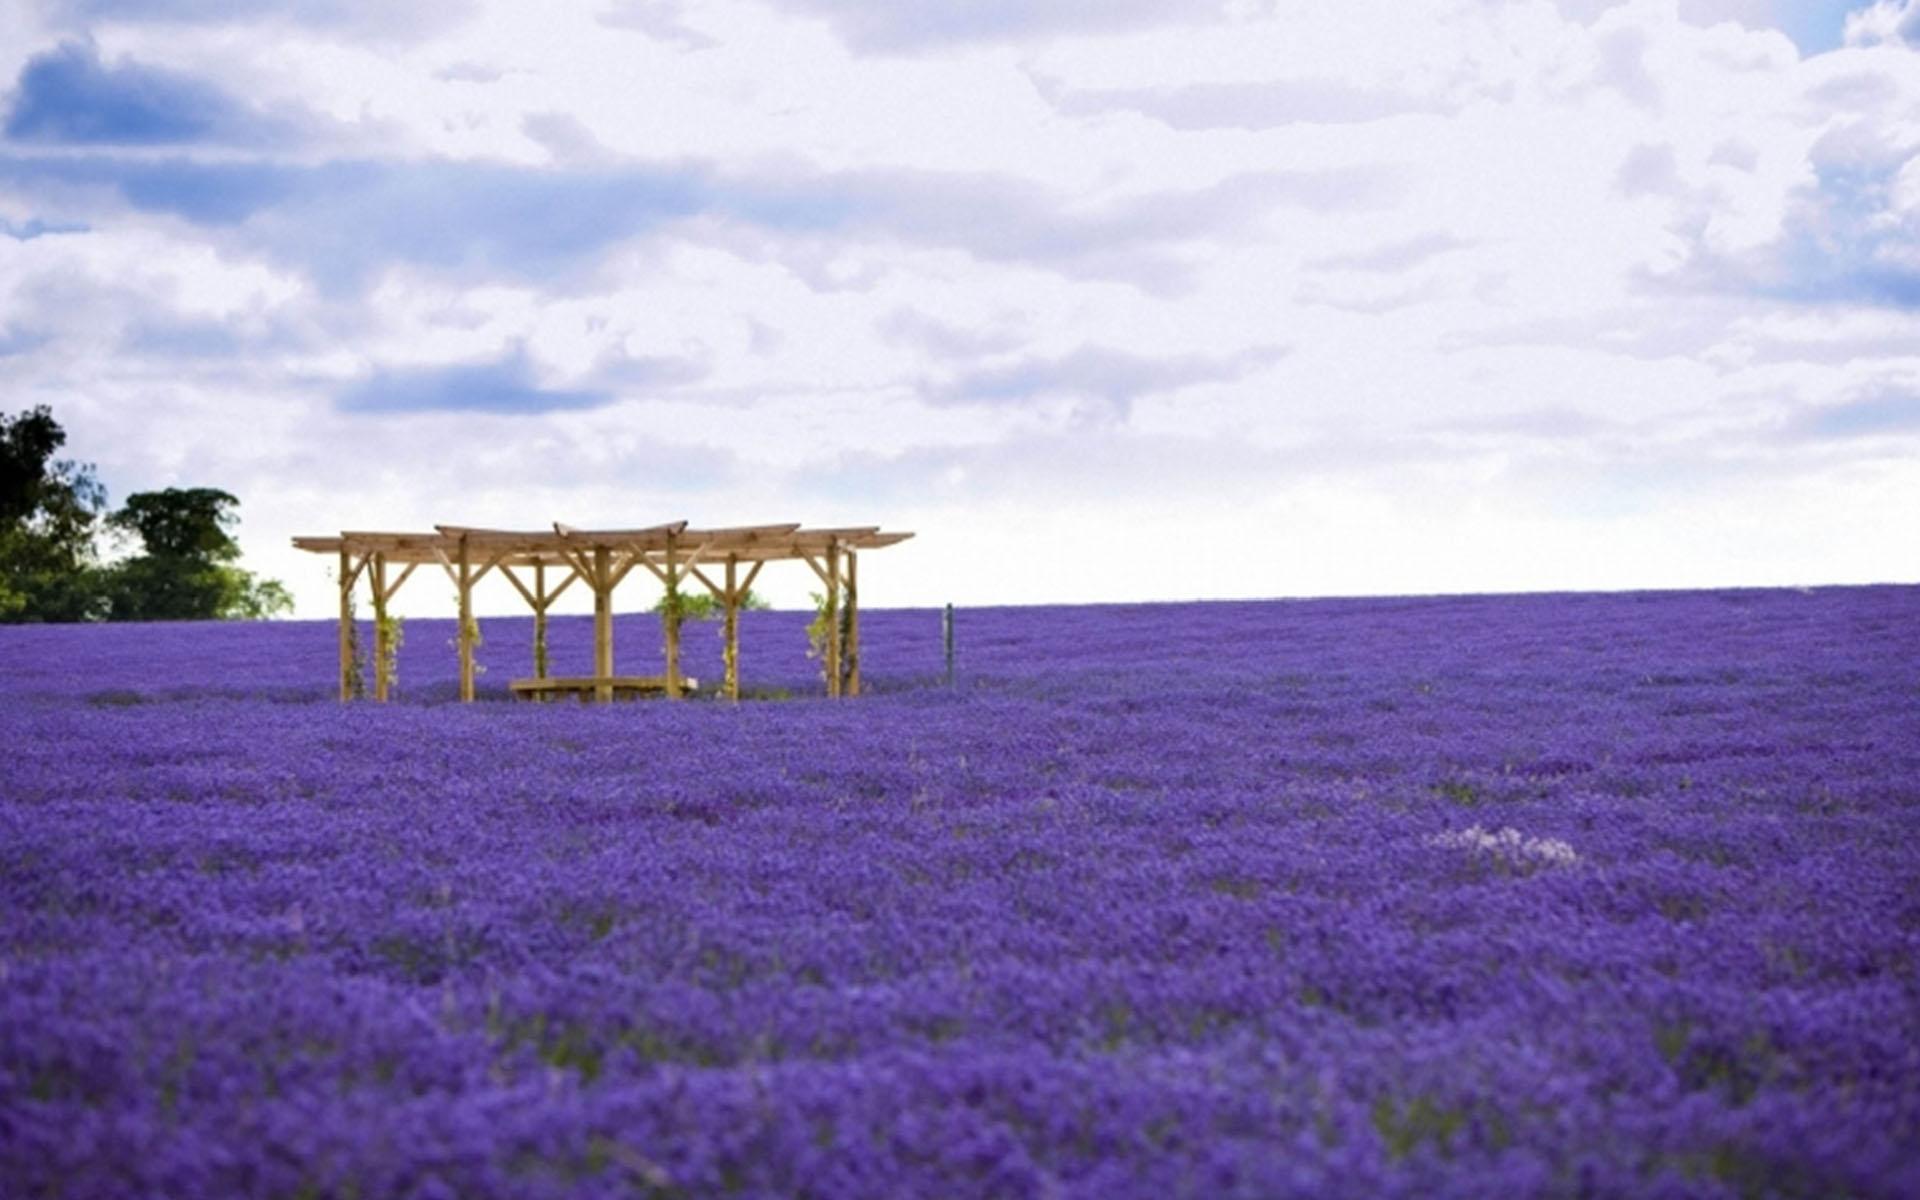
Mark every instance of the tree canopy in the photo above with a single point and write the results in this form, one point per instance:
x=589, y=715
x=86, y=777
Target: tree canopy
x=182, y=523
x=50, y=565
x=49, y=511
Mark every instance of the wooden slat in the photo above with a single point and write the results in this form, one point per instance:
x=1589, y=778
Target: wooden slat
x=573, y=573
x=379, y=626
x=730, y=534
x=650, y=537
x=730, y=643
x=464, y=582
x=876, y=541
x=584, y=684
x=833, y=619
x=347, y=575
x=524, y=547
x=672, y=626
x=852, y=649
x=602, y=623
x=359, y=568
x=394, y=588
x=541, y=601
x=693, y=556
x=580, y=568
x=525, y=594
x=626, y=568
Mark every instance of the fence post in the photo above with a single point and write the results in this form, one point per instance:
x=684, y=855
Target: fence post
x=946, y=637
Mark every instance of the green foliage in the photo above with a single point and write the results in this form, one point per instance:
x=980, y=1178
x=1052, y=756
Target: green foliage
x=1402, y=1127
x=472, y=630
x=184, y=523
x=817, y=632
x=49, y=568
x=701, y=606
x=356, y=671
x=680, y=607
x=51, y=514
x=186, y=572
x=389, y=632
x=154, y=588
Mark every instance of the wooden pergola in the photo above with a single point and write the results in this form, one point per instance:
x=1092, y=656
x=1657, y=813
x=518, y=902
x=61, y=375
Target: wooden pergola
x=542, y=564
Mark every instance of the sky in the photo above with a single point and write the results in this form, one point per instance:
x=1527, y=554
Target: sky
x=1107, y=300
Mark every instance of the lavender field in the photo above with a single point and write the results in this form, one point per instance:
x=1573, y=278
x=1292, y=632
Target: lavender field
x=1549, y=895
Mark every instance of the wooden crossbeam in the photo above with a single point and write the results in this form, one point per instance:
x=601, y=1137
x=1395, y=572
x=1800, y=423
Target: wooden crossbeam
x=573, y=573
x=359, y=568
x=579, y=564
x=523, y=547
x=394, y=588
x=626, y=567
x=525, y=593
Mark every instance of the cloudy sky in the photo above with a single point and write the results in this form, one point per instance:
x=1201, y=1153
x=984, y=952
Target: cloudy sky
x=1107, y=299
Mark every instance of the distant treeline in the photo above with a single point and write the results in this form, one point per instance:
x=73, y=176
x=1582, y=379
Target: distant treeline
x=54, y=516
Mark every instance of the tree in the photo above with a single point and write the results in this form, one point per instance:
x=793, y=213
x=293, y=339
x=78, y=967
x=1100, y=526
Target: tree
x=187, y=571
x=49, y=569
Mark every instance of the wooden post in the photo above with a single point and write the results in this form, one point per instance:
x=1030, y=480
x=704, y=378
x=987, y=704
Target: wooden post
x=602, y=625
x=853, y=624
x=833, y=617
x=465, y=582
x=731, y=603
x=346, y=623
x=539, y=619
x=380, y=630
x=671, y=620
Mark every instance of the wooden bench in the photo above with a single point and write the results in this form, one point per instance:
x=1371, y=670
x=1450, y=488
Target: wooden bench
x=585, y=687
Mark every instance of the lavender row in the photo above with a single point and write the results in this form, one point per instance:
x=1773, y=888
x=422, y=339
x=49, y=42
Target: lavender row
x=1532, y=895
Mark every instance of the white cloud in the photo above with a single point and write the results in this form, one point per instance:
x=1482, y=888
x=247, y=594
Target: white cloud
x=1896, y=21
x=1338, y=298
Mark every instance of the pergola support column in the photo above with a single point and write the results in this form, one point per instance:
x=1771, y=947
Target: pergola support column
x=380, y=630
x=833, y=618
x=852, y=649
x=464, y=582
x=540, y=603
x=347, y=574
x=671, y=623
x=602, y=582
x=730, y=616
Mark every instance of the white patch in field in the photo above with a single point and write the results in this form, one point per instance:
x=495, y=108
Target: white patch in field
x=1509, y=843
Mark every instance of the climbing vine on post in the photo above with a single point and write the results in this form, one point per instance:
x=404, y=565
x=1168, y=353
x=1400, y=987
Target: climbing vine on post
x=674, y=608
x=389, y=632
x=817, y=632
x=355, y=656
x=469, y=629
